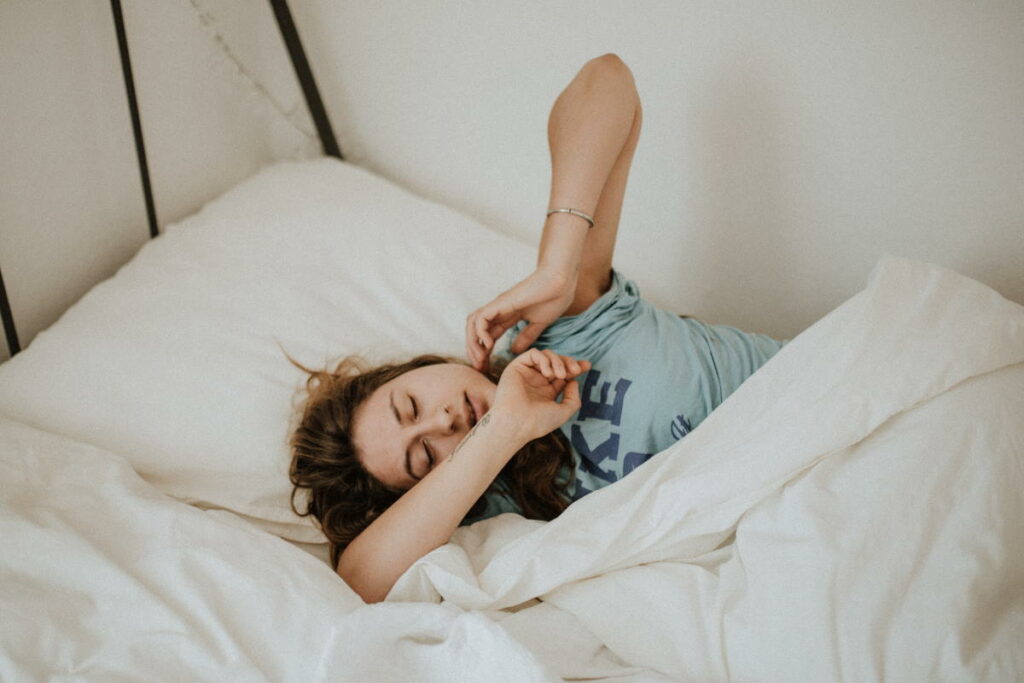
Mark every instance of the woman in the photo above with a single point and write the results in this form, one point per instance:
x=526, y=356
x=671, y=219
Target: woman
x=396, y=457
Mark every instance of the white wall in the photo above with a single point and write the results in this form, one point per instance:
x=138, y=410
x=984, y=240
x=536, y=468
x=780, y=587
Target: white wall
x=786, y=145
x=71, y=203
x=69, y=187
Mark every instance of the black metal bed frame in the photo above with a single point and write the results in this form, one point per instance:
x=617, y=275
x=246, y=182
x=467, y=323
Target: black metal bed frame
x=303, y=72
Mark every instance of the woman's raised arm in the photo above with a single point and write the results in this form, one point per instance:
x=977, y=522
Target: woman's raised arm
x=593, y=130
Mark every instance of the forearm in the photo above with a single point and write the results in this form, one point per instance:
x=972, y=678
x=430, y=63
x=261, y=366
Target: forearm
x=425, y=517
x=587, y=129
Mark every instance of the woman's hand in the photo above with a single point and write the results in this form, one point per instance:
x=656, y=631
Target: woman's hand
x=529, y=386
x=540, y=299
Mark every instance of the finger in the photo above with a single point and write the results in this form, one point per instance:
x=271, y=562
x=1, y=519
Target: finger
x=573, y=367
x=535, y=358
x=544, y=364
x=471, y=342
x=480, y=326
x=571, y=398
x=481, y=356
x=498, y=329
x=492, y=324
x=483, y=350
x=527, y=337
x=557, y=364
x=578, y=366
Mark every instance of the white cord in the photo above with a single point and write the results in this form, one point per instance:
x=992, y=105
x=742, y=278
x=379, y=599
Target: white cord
x=257, y=91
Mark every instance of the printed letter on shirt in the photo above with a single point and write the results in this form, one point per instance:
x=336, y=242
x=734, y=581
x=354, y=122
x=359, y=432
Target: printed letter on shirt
x=603, y=410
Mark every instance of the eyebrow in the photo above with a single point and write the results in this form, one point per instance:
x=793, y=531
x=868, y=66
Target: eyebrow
x=398, y=419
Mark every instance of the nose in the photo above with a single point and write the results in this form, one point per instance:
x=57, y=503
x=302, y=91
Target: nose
x=448, y=421
x=442, y=423
x=442, y=429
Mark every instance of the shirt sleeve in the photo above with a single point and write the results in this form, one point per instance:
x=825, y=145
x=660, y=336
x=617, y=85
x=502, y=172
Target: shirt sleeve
x=590, y=334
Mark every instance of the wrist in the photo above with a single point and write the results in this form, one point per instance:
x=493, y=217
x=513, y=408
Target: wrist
x=505, y=426
x=564, y=271
x=561, y=245
x=561, y=276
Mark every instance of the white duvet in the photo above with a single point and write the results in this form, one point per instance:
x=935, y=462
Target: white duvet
x=854, y=512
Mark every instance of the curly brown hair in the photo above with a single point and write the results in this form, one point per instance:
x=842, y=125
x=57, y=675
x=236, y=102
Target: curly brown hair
x=345, y=498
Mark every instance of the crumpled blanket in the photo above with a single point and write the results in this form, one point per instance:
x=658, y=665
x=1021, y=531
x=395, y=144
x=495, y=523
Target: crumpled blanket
x=852, y=512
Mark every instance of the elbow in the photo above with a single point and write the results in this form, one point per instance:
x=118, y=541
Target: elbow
x=610, y=63
x=366, y=590
x=367, y=585
x=611, y=72
x=609, y=59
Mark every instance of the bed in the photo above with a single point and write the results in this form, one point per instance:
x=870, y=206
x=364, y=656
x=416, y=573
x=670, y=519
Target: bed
x=851, y=513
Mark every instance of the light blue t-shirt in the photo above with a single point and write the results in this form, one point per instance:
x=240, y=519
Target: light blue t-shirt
x=654, y=377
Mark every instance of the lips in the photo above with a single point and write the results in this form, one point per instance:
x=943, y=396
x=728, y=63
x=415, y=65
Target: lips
x=479, y=409
x=476, y=409
x=471, y=418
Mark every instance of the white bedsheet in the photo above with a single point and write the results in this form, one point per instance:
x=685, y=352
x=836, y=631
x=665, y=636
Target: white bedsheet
x=104, y=578
x=853, y=512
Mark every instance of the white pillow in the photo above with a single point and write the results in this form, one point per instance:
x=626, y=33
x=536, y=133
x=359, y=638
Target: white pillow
x=174, y=362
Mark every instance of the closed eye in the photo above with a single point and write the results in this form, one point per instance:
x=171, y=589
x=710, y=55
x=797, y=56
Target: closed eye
x=430, y=464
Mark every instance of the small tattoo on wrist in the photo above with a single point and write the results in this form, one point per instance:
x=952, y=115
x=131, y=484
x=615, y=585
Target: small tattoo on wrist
x=483, y=421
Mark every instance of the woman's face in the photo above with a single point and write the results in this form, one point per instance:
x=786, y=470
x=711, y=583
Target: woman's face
x=409, y=424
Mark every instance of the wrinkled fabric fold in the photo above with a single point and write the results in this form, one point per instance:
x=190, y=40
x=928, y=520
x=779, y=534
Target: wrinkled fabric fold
x=876, y=366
